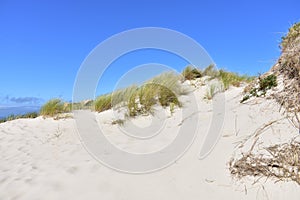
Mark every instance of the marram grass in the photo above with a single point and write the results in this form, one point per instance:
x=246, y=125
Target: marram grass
x=52, y=108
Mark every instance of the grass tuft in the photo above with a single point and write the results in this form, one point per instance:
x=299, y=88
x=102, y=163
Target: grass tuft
x=233, y=79
x=53, y=107
x=103, y=103
x=211, y=92
x=191, y=73
x=163, y=90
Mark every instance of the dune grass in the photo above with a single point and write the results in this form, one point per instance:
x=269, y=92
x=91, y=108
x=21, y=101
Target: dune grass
x=13, y=117
x=53, y=107
x=163, y=90
x=210, y=71
x=211, y=91
x=103, y=103
x=191, y=73
x=233, y=79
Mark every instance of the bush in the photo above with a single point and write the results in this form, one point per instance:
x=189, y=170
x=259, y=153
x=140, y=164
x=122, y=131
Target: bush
x=267, y=83
x=52, y=108
x=264, y=84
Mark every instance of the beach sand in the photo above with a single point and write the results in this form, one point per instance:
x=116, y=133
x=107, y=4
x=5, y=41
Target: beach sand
x=44, y=158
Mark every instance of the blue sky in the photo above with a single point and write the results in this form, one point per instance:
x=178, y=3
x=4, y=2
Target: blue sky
x=43, y=43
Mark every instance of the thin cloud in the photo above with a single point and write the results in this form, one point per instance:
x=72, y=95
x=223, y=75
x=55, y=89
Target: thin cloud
x=23, y=100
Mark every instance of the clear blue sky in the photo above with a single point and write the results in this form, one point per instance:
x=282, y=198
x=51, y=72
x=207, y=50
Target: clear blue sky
x=43, y=43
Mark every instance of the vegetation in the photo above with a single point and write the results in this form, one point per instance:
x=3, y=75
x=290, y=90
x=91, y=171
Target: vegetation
x=172, y=108
x=288, y=67
x=291, y=37
x=234, y=79
x=211, y=71
x=264, y=84
x=211, y=92
x=162, y=90
x=54, y=107
x=191, y=73
x=120, y=122
x=103, y=103
x=13, y=117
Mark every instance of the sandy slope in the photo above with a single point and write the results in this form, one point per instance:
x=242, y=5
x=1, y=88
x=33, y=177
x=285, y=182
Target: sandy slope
x=44, y=159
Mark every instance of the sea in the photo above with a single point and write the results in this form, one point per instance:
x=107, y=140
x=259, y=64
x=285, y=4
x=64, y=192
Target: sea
x=17, y=110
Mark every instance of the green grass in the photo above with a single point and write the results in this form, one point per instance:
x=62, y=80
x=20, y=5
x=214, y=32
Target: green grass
x=122, y=96
x=13, y=117
x=163, y=90
x=233, y=79
x=53, y=107
x=103, y=103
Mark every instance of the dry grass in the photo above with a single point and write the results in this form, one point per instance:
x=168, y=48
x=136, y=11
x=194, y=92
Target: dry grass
x=280, y=162
x=191, y=73
x=288, y=66
x=211, y=91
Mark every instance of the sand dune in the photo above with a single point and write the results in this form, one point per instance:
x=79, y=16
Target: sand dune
x=44, y=158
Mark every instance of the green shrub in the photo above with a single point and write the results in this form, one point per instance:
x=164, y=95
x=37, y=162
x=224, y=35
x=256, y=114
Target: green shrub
x=264, y=84
x=267, y=82
x=52, y=108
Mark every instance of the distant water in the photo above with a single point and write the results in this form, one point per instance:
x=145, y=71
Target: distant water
x=20, y=110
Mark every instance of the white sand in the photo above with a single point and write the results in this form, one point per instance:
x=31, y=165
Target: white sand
x=44, y=159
